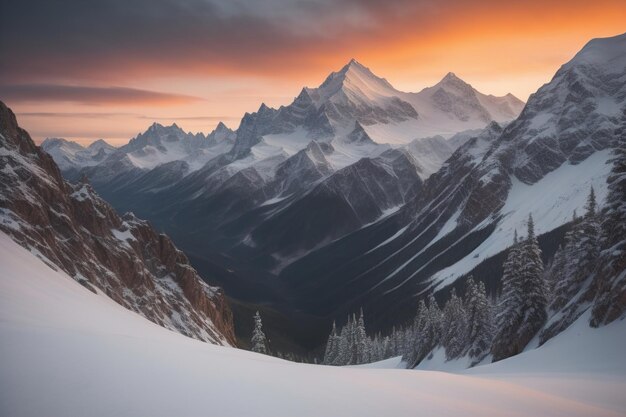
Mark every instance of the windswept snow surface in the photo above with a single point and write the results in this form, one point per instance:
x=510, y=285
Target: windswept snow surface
x=65, y=351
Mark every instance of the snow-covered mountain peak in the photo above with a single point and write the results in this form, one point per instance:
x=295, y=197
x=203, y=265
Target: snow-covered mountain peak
x=221, y=133
x=72, y=155
x=154, y=127
x=158, y=128
x=221, y=127
x=359, y=135
x=49, y=143
x=354, y=80
x=456, y=101
x=574, y=115
x=100, y=144
x=355, y=93
x=162, y=144
x=451, y=78
x=606, y=53
x=453, y=84
x=264, y=108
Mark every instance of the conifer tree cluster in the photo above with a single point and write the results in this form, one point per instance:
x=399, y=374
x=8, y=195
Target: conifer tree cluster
x=468, y=326
x=522, y=308
x=351, y=345
x=431, y=327
x=588, y=271
x=575, y=260
x=609, y=283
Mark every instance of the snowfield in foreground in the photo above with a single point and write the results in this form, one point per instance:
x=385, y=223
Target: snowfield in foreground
x=65, y=351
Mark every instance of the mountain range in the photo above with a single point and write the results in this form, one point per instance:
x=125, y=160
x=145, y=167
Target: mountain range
x=357, y=195
x=353, y=133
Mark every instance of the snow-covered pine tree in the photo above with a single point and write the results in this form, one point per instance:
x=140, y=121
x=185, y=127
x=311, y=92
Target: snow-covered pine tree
x=342, y=348
x=576, y=261
x=259, y=341
x=399, y=342
x=387, y=347
x=588, y=247
x=479, y=319
x=332, y=346
x=415, y=341
x=361, y=341
x=534, y=312
x=454, y=327
x=345, y=344
x=555, y=276
x=407, y=340
x=510, y=305
x=376, y=349
x=352, y=341
x=432, y=333
x=393, y=345
x=610, y=279
x=563, y=266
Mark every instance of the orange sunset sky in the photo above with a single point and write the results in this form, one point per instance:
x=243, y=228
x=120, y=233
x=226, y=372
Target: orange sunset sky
x=109, y=69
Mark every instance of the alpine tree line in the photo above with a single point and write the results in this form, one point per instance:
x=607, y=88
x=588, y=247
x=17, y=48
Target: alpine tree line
x=475, y=326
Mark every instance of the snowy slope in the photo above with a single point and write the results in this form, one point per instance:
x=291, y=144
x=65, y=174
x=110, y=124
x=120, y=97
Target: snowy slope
x=552, y=201
x=586, y=357
x=68, y=352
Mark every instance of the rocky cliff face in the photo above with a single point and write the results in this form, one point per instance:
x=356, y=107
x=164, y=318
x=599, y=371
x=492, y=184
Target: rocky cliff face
x=71, y=228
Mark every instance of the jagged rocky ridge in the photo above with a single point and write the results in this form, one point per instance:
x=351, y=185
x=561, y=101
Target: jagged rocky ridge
x=295, y=167
x=70, y=227
x=71, y=157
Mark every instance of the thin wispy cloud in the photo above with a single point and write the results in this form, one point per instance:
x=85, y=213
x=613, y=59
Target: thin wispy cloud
x=88, y=115
x=74, y=114
x=89, y=95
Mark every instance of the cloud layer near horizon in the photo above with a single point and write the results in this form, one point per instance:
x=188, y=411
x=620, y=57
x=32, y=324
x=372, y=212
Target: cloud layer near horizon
x=90, y=95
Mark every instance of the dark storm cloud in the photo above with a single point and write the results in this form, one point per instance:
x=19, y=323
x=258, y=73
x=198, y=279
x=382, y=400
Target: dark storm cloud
x=78, y=39
x=88, y=95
